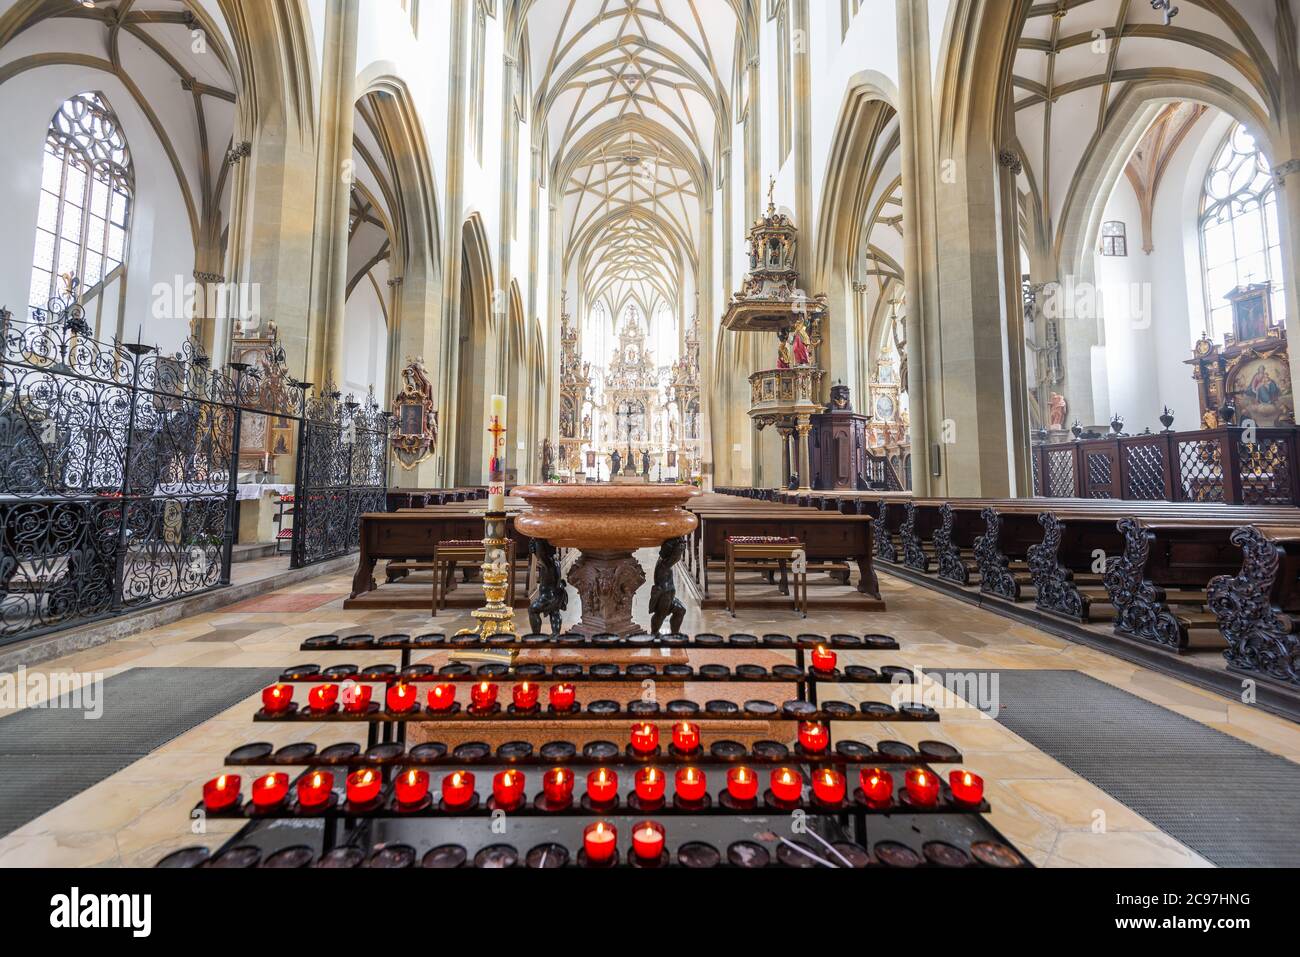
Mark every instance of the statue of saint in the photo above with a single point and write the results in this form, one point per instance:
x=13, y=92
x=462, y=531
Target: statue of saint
x=801, y=343
x=616, y=462
x=1057, y=409
x=783, y=357
x=645, y=463
x=548, y=460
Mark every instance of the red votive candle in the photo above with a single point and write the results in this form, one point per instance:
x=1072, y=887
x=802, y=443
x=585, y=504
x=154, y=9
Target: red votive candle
x=277, y=698
x=401, y=697
x=823, y=659
x=645, y=737
x=356, y=698
x=686, y=736
x=787, y=784
x=508, y=788
x=270, y=789
x=221, y=792
x=525, y=696
x=458, y=788
x=442, y=696
x=691, y=783
x=650, y=784
x=742, y=783
x=364, y=785
x=599, y=840
x=922, y=786
x=315, y=789
x=483, y=695
x=323, y=697
x=648, y=840
x=562, y=696
x=828, y=786
x=411, y=786
x=557, y=785
x=602, y=786
x=813, y=736
x=877, y=785
x=967, y=787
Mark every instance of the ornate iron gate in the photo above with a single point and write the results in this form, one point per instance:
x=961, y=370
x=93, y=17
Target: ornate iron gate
x=342, y=474
x=118, y=470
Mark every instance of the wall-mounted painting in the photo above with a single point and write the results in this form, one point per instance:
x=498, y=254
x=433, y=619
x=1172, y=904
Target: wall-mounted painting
x=1260, y=388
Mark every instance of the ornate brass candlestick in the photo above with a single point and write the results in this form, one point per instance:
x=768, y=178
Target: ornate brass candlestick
x=496, y=617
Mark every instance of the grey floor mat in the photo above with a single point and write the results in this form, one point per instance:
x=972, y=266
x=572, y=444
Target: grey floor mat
x=1233, y=803
x=48, y=755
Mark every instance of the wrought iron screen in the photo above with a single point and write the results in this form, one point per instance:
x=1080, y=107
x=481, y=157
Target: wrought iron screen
x=342, y=474
x=118, y=471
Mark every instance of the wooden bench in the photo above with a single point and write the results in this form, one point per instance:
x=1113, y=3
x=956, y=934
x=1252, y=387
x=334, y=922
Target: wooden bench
x=832, y=540
x=786, y=552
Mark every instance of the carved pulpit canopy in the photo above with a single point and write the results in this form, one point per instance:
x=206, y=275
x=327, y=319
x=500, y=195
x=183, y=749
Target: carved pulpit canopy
x=416, y=431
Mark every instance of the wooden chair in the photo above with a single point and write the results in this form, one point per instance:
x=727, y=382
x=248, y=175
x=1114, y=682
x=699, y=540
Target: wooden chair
x=469, y=551
x=786, y=552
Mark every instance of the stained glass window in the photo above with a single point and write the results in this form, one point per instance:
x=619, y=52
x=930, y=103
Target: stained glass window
x=1240, y=241
x=85, y=205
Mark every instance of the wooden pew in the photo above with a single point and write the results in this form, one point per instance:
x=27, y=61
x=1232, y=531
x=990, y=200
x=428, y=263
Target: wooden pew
x=1258, y=608
x=1157, y=558
x=828, y=536
x=412, y=535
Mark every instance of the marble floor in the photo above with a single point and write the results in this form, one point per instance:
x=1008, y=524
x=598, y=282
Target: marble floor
x=1055, y=817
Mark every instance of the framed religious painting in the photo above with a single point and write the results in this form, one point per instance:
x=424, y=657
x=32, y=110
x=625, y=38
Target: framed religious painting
x=416, y=432
x=1251, y=311
x=1260, y=389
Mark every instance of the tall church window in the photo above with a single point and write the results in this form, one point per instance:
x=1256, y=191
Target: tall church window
x=87, y=186
x=1240, y=240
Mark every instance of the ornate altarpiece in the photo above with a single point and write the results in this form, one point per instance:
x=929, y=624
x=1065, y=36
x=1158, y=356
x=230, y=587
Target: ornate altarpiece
x=575, y=384
x=1251, y=371
x=264, y=438
x=416, y=420
x=684, y=392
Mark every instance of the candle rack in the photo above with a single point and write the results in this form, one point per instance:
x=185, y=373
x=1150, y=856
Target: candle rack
x=714, y=831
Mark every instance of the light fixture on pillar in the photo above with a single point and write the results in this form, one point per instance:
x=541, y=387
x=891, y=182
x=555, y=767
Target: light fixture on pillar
x=1167, y=6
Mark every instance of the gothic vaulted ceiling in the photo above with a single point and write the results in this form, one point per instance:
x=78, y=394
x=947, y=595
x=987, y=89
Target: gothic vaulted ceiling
x=631, y=100
x=1077, y=63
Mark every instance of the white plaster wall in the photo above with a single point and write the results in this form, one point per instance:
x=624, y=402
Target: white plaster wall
x=365, y=338
x=1141, y=367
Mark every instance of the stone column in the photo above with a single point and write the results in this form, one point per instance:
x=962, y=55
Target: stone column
x=1286, y=170
x=958, y=320
x=803, y=424
x=805, y=217
x=334, y=178
x=453, y=244
x=785, y=454
x=919, y=225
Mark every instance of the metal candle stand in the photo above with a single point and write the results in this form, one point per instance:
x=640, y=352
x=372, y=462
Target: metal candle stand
x=716, y=831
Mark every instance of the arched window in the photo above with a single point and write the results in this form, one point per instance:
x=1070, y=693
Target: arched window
x=86, y=188
x=1240, y=240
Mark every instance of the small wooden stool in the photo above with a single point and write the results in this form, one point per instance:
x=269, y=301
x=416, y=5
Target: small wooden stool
x=468, y=550
x=767, y=548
